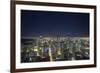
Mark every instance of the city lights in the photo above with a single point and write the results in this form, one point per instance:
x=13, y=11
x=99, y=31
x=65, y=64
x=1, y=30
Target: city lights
x=42, y=49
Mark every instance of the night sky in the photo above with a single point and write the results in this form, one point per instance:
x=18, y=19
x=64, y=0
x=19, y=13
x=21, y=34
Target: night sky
x=36, y=23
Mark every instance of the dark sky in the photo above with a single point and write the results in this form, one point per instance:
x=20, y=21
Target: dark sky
x=35, y=23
